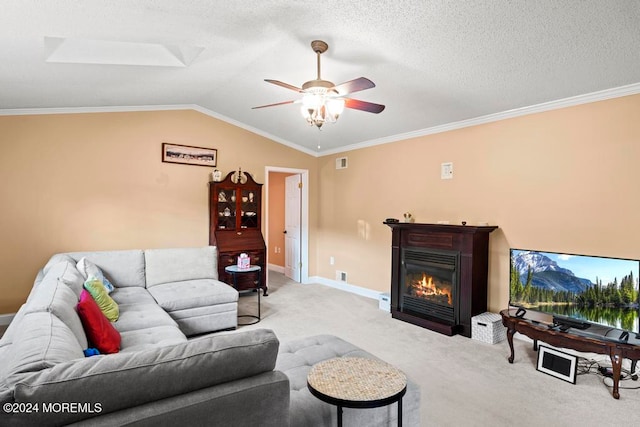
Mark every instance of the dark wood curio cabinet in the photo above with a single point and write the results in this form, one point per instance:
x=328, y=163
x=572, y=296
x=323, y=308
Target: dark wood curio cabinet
x=235, y=216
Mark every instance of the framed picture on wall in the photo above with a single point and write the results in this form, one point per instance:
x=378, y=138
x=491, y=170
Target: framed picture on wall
x=188, y=155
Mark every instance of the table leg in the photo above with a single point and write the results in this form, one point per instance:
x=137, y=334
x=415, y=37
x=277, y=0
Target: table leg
x=339, y=416
x=400, y=412
x=616, y=364
x=259, y=285
x=510, y=333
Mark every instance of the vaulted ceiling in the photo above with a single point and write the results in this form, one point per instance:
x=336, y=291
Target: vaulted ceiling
x=436, y=64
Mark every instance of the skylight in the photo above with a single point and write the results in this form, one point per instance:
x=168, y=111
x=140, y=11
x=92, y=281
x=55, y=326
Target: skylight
x=88, y=51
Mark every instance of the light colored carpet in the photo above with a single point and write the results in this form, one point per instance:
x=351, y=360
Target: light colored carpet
x=464, y=382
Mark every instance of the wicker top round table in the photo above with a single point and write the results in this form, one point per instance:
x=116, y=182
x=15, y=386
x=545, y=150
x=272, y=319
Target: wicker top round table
x=357, y=382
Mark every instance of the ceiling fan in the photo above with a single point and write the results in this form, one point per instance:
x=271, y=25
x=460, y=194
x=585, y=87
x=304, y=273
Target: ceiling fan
x=322, y=101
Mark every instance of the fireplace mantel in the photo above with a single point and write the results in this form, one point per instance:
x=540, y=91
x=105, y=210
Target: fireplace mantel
x=472, y=245
x=443, y=227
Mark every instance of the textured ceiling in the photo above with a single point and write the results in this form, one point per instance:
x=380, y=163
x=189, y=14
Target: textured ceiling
x=434, y=62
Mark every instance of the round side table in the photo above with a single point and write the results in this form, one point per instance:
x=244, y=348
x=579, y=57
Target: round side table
x=234, y=271
x=357, y=382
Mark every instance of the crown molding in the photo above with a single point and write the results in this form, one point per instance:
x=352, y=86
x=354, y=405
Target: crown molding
x=138, y=108
x=84, y=110
x=618, y=92
x=252, y=129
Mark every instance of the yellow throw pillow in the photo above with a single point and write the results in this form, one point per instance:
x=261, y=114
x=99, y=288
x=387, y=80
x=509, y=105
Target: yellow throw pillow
x=107, y=305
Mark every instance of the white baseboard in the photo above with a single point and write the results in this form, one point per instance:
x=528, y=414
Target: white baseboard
x=5, y=319
x=343, y=286
x=276, y=268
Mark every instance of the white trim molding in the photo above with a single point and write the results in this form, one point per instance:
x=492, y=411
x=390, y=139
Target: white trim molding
x=343, y=286
x=276, y=268
x=304, y=215
x=602, y=95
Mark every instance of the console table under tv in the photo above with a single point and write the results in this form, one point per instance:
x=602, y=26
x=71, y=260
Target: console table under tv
x=535, y=330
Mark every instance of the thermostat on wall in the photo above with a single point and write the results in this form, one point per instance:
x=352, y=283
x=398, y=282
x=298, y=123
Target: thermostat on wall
x=446, y=170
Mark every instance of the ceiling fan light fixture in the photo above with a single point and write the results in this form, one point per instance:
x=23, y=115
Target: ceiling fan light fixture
x=312, y=101
x=322, y=101
x=314, y=117
x=318, y=109
x=335, y=106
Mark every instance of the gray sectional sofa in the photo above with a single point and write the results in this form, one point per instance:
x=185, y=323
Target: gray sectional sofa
x=171, y=370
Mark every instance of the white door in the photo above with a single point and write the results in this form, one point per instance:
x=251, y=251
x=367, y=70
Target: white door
x=292, y=203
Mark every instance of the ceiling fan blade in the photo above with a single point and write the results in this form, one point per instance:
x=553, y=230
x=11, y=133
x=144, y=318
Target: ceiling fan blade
x=273, y=105
x=283, y=84
x=369, y=107
x=355, y=85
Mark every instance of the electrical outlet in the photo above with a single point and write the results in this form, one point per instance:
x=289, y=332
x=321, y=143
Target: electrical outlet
x=341, y=276
x=332, y=260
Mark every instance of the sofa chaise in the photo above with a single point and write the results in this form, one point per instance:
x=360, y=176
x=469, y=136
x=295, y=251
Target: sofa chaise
x=170, y=369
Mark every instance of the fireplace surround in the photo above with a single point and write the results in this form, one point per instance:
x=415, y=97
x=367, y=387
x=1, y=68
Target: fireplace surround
x=439, y=275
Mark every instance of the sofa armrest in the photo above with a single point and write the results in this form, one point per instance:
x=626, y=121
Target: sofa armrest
x=123, y=380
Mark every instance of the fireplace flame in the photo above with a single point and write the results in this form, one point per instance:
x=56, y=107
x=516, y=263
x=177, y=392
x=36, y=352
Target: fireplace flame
x=425, y=288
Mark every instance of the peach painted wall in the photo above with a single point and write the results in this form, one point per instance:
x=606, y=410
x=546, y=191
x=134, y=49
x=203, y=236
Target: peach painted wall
x=276, y=217
x=564, y=180
x=71, y=182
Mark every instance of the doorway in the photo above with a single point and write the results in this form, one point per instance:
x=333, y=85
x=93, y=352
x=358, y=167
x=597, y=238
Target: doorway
x=297, y=237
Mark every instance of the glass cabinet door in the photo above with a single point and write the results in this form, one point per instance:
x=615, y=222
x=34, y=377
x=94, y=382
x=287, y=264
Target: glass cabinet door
x=249, y=209
x=226, y=209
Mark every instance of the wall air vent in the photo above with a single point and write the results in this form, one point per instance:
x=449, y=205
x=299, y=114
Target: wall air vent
x=341, y=163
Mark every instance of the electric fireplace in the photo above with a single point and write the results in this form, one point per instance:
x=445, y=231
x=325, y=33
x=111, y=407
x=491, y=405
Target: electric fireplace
x=439, y=275
x=429, y=282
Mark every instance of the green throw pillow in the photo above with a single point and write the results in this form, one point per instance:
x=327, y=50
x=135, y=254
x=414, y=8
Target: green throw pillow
x=107, y=305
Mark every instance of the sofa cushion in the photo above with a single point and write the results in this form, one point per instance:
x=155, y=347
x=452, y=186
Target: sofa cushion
x=297, y=357
x=72, y=278
x=89, y=269
x=57, y=259
x=200, y=320
x=100, y=331
x=149, y=375
x=123, y=268
x=65, y=272
x=41, y=341
x=54, y=296
x=176, y=265
x=192, y=293
x=150, y=337
x=7, y=338
x=5, y=354
x=107, y=305
x=131, y=295
x=141, y=316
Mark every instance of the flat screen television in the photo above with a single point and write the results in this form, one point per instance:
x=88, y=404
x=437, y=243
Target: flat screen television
x=581, y=289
